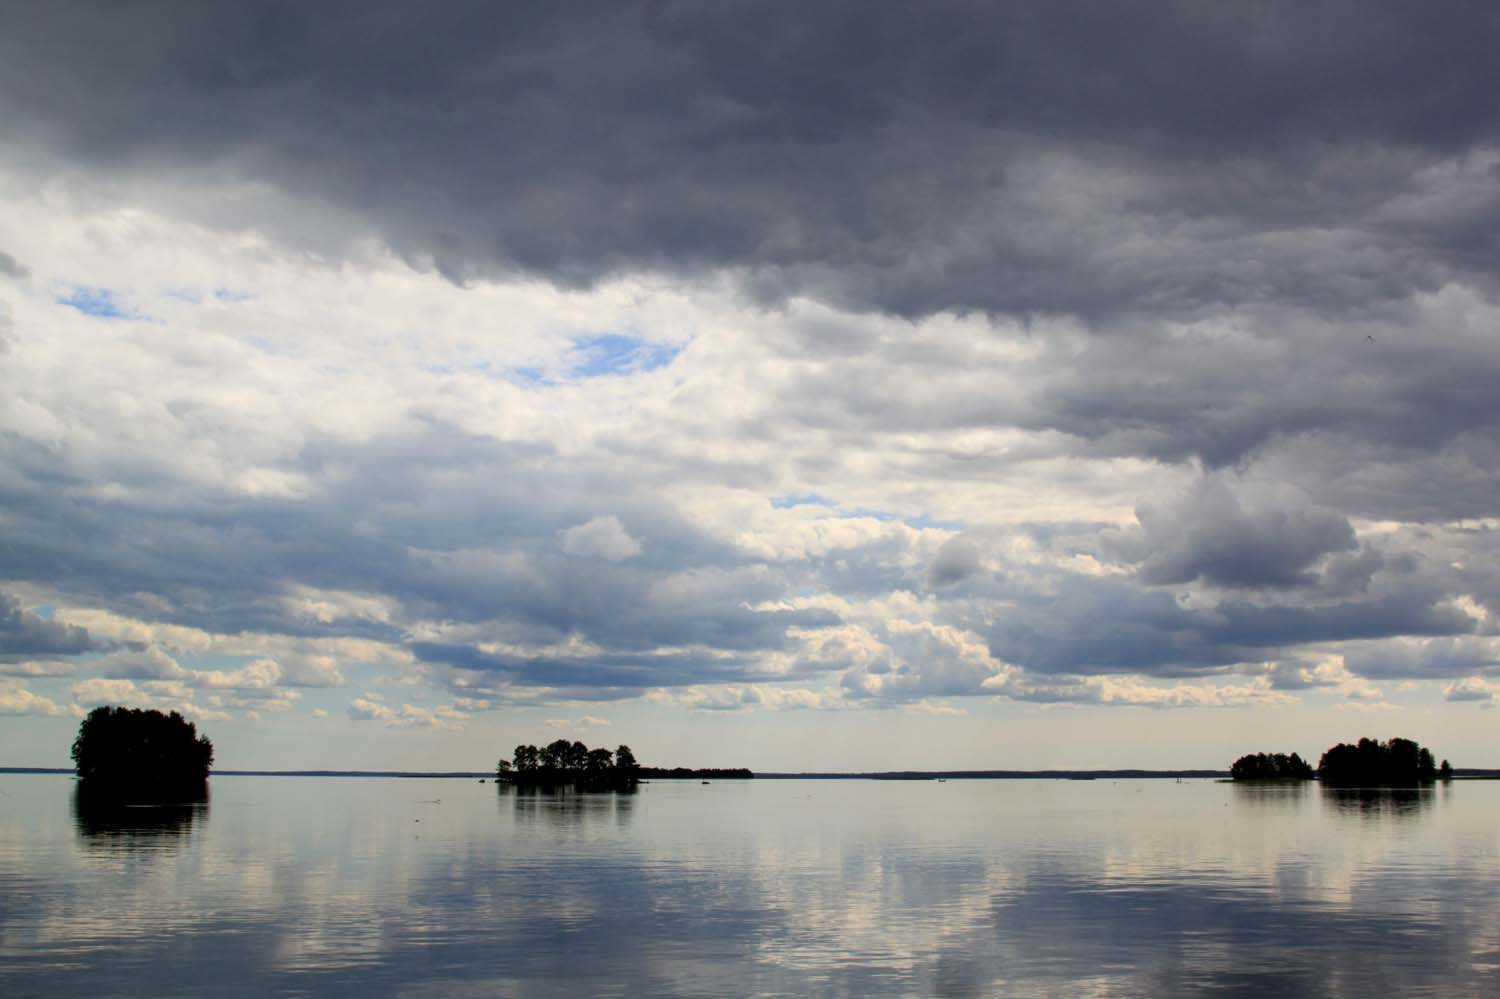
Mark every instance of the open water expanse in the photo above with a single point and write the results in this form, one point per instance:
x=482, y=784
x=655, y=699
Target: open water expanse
x=406, y=887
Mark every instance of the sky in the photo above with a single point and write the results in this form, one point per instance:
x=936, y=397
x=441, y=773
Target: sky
x=843, y=386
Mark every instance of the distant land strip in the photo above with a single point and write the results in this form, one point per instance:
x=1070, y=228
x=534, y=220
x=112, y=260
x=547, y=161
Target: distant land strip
x=998, y=775
x=659, y=773
x=1458, y=773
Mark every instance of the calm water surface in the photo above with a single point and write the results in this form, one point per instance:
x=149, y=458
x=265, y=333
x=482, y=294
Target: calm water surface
x=403, y=887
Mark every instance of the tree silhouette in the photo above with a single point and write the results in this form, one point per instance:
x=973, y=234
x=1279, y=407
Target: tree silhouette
x=139, y=752
x=555, y=755
x=569, y=764
x=1370, y=763
x=1271, y=766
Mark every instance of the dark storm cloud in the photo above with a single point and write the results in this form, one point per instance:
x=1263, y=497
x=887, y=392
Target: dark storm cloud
x=24, y=635
x=1412, y=385
x=1209, y=535
x=1095, y=625
x=1386, y=417
x=1017, y=158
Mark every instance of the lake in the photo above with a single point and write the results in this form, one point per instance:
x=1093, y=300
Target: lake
x=404, y=887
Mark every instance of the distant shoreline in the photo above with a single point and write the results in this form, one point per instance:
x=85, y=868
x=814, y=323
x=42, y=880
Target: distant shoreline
x=1459, y=773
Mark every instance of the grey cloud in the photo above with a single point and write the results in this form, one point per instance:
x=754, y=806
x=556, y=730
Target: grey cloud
x=1094, y=625
x=448, y=527
x=24, y=635
x=1401, y=426
x=11, y=267
x=957, y=156
x=954, y=562
x=1418, y=387
x=605, y=676
x=1438, y=658
x=1239, y=203
x=1211, y=535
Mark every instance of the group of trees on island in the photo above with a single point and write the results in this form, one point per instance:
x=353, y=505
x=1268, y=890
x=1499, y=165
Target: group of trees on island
x=562, y=762
x=141, y=754
x=1397, y=763
x=1271, y=766
x=1368, y=763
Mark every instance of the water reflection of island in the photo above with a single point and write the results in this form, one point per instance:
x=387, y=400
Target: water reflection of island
x=104, y=820
x=1378, y=802
x=567, y=807
x=1272, y=795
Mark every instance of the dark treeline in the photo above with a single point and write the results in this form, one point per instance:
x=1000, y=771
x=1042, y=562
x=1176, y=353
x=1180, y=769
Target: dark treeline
x=130, y=752
x=563, y=763
x=1271, y=766
x=706, y=773
x=1369, y=763
x=1397, y=763
x=918, y=775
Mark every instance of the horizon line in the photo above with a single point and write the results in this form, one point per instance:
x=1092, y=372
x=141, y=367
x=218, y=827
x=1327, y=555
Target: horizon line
x=967, y=774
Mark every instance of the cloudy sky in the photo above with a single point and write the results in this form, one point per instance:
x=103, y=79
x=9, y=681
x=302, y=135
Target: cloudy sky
x=781, y=385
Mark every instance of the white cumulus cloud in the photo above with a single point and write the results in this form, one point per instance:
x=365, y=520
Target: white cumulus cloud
x=603, y=537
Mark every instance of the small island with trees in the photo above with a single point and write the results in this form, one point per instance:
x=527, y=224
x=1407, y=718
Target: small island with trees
x=1271, y=766
x=572, y=764
x=1396, y=763
x=1368, y=763
x=141, y=754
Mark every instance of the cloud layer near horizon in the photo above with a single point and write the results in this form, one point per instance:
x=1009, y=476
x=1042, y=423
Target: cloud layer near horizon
x=717, y=358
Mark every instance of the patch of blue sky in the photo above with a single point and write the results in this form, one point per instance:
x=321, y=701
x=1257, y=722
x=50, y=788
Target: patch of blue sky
x=194, y=296
x=531, y=376
x=100, y=303
x=920, y=522
x=804, y=499
x=226, y=661
x=618, y=354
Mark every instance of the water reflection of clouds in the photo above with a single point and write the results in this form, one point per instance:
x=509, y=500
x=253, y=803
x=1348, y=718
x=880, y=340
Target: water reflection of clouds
x=677, y=892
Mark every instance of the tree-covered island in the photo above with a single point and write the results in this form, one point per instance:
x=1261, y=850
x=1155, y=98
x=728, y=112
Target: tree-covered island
x=141, y=754
x=570, y=764
x=1368, y=763
x=1271, y=766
